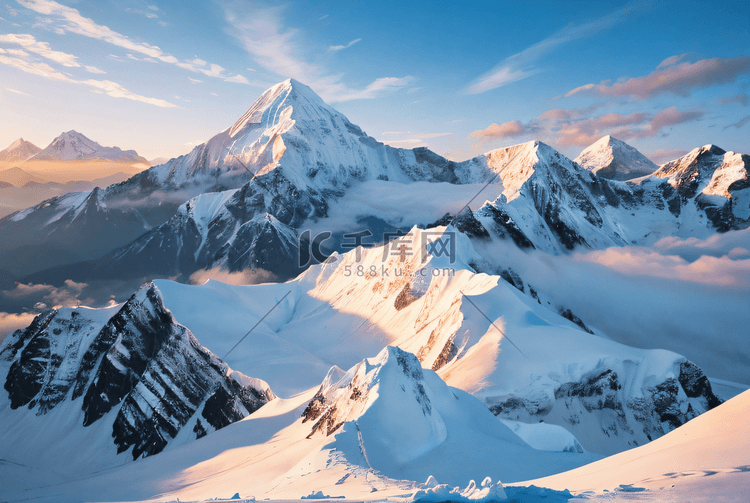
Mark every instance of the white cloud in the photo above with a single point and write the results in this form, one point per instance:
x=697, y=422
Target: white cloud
x=372, y=90
x=238, y=79
x=276, y=48
x=15, y=52
x=67, y=19
x=43, y=49
x=93, y=69
x=521, y=65
x=341, y=47
x=16, y=91
x=110, y=88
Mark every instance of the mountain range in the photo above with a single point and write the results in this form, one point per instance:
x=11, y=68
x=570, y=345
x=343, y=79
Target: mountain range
x=291, y=157
x=397, y=333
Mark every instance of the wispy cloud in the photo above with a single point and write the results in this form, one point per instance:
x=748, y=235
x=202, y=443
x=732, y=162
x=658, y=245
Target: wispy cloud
x=741, y=98
x=414, y=140
x=16, y=91
x=150, y=15
x=373, y=90
x=66, y=19
x=108, y=87
x=671, y=61
x=739, y=123
x=13, y=12
x=661, y=156
x=679, y=79
x=523, y=64
x=15, y=52
x=577, y=127
x=418, y=135
x=342, y=47
x=275, y=47
x=43, y=49
x=93, y=69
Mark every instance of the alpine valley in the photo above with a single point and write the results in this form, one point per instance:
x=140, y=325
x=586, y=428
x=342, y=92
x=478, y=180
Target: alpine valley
x=389, y=324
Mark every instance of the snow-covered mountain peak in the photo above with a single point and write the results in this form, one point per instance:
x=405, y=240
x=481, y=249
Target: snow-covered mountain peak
x=292, y=128
x=611, y=158
x=390, y=401
x=518, y=164
x=350, y=396
x=692, y=169
x=710, y=171
x=74, y=146
x=19, y=151
x=269, y=109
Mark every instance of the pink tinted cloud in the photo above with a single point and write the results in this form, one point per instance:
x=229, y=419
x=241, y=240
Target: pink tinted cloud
x=661, y=156
x=707, y=270
x=512, y=128
x=567, y=128
x=10, y=322
x=670, y=78
x=741, y=98
x=624, y=127
x=671, y=61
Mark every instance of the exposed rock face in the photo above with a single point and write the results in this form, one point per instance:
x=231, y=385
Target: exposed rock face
x=656, y=410
x=715, y=182
x=464, y=222
x=139, y=364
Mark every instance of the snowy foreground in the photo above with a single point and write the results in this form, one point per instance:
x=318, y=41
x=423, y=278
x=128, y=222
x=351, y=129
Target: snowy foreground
x=706, y=460
x=348, y=406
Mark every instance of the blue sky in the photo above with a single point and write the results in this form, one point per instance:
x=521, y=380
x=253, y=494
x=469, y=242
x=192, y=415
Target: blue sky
x=461, y=78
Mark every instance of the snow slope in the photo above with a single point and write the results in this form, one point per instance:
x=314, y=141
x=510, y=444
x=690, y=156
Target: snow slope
x=381, y=427
x=386, y=424
x=610, y=396
x=704, y=460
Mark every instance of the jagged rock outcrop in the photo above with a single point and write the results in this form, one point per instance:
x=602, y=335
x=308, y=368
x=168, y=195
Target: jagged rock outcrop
x=138, y=364
x=652, y=411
